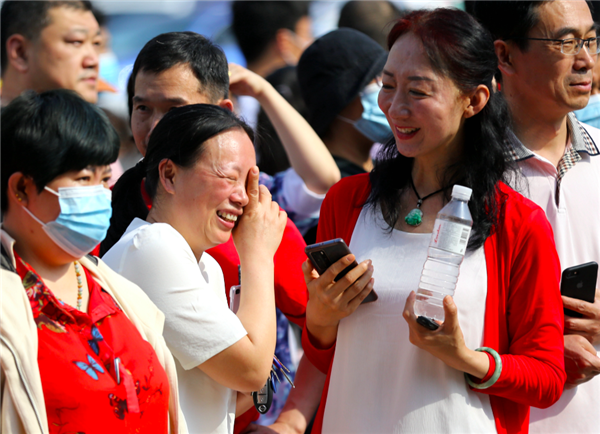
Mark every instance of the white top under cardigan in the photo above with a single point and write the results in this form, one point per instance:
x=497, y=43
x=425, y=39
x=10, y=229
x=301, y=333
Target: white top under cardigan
x=380, y=382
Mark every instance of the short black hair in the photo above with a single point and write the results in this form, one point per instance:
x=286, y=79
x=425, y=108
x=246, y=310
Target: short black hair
x=594, y=10
x=508, y=20
x=48, y=134
x=255, y=23
x=206, y=59
x=28, y=18
x=373, y=18
x=180, y=136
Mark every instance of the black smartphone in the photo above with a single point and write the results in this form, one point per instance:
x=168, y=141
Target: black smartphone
x=323, y=255
x=579, y=282
x=428, y=323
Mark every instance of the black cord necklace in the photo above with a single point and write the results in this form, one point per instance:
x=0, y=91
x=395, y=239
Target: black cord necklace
x=415, y=216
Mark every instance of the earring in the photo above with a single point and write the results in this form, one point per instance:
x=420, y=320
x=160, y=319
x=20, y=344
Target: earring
x=18, y=198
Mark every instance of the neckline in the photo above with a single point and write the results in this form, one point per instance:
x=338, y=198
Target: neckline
x=383, y=224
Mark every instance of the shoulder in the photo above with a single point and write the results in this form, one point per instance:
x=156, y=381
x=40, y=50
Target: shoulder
x=354, y=190
x=132, y=299
x=592, y=131
x=12, y=293
x=515, y=202
x=591, y=138
x=150, y=248
x=141, y=235
x=342, y=207
x=521, y=216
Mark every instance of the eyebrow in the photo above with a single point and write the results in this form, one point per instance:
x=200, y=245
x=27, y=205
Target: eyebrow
x=81, y=30
x=92, y=168
x=419, y=78
x=174, y=100
x=411, y=78
x=567, y=30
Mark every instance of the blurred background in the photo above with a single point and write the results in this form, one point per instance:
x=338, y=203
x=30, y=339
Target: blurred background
x=130, y=24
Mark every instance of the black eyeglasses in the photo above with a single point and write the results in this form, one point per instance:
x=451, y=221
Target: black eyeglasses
x=572, y=46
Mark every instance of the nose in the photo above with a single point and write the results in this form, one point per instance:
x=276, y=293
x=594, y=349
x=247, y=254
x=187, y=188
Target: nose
x=91, y=58
x=586, y=58
x=239, y=195
x=398, y=108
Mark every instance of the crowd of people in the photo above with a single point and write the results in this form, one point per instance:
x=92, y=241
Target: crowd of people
x=115, y=306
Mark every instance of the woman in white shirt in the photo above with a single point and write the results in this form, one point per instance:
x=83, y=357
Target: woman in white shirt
x=203, y=182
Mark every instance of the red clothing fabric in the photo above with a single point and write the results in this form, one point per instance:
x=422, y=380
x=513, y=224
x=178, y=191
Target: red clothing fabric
x=523, y=318
x=291, y=294
x=79, y=354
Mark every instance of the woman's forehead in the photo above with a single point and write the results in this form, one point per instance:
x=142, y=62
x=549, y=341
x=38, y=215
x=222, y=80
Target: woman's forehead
x=231, y=148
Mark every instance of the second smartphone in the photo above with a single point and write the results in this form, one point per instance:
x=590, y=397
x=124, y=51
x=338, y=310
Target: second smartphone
x=579, y=282
x=323, y=255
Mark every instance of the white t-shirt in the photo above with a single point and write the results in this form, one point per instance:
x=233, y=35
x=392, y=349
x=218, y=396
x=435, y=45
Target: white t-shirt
x=380, y=382
x=198, y=323
x=575, y=221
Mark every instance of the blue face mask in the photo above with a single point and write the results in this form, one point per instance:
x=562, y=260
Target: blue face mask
x=372, y=124
x=591, y=113
x=83, y=220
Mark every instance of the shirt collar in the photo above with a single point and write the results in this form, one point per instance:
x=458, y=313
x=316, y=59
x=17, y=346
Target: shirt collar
x=9, y=244
x=580, y=140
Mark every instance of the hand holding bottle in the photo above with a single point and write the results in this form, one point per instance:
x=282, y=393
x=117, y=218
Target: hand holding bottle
x=447, y=343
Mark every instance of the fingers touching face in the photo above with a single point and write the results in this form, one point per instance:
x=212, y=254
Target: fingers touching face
x=213, y=192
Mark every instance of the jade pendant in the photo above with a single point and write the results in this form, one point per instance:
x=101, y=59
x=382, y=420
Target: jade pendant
x=414, y=218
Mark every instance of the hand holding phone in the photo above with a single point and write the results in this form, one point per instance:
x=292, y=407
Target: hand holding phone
x=323, y=255
x=330, y=301
x=579, y=282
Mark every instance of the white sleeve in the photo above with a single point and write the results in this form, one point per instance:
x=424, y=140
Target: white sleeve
x=198, y=323
x=298, y=198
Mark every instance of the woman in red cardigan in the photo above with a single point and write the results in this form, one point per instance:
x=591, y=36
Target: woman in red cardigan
x=499, y=349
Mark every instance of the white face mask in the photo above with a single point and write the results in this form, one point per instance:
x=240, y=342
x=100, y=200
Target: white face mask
x=83, y=220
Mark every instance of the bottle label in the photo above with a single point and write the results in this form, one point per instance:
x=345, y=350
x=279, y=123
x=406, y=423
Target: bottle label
x=450, y=236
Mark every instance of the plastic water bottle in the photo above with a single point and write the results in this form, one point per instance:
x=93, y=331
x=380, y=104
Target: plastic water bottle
x=446, y=252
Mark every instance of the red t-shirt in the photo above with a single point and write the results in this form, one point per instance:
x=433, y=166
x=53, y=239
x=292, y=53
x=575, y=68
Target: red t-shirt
x=98, y=374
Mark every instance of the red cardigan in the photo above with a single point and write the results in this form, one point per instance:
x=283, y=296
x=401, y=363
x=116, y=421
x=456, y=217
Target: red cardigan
x=523, y=317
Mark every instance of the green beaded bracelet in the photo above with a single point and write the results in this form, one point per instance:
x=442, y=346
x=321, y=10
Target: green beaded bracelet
x=494, y=377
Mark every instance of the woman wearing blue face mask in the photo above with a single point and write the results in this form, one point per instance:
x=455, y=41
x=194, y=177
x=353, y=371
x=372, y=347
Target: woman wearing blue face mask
x=81, y=347
x=340, y=79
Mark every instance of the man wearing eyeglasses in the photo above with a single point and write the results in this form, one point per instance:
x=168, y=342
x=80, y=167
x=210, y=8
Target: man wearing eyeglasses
x=546, y=51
